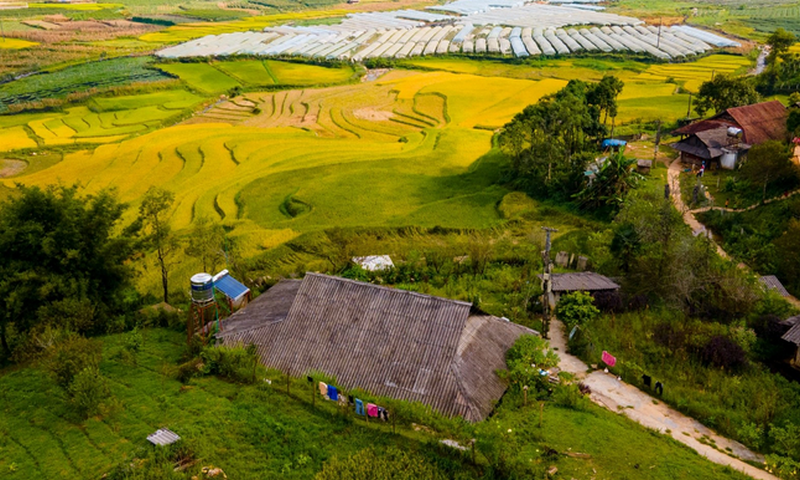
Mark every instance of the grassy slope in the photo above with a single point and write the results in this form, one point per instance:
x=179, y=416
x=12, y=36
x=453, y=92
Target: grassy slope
x=259, y=432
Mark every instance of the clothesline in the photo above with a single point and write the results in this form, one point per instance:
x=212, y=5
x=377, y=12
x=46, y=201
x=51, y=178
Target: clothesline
x=330, y=392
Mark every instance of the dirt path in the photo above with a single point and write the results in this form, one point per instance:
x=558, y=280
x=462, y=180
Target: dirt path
x=673, y=177
x=635, y=404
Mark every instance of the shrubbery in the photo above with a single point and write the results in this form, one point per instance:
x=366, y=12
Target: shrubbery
x=526, y=359
x=385, y=464
x=88, y=390
x=576, y=309
x=234, y=363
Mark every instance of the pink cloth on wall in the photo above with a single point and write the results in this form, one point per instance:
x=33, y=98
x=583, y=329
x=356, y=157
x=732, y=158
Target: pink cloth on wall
x=609, y=359
x=372, y=410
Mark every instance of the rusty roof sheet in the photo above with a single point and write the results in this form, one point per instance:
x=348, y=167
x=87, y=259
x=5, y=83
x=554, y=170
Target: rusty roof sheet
x=762, y=121
x=387, y=341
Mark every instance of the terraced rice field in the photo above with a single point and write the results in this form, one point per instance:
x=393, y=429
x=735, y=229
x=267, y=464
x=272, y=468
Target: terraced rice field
x=103, y=120
x=408, y=139
x=217, y=77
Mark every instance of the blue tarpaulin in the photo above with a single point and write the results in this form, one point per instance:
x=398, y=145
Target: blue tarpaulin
x=229, y=286
x=613, y=142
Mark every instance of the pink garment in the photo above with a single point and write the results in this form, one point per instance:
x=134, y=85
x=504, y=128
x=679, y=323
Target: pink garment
x=608, y=359
x=372, y=410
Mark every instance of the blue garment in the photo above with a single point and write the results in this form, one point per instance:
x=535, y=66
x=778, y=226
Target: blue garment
x=359, y=407
x=332, y=393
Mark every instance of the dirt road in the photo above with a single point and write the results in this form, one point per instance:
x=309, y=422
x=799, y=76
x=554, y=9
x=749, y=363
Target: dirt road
x=637, y=405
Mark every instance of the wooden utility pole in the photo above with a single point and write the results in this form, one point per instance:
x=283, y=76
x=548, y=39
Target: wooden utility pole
x=658, y=142
x=525, y=396
x=547, y=285
x=660, y=23
x=689, y=108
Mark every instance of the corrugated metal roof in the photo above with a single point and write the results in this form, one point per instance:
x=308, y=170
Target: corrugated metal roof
x=387, y=341
x=760, y=122
x=269, y=307
x=163, y=437
x=793, y=335
x=581, y=282
x=772, y=283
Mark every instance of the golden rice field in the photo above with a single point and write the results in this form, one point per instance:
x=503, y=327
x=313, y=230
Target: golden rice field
x=411, y=148
x=103, y=120
x=15, y=44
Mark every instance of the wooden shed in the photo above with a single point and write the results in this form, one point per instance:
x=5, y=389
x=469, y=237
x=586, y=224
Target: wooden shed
x=793, y=336
x=590, y=282
x=390, y=342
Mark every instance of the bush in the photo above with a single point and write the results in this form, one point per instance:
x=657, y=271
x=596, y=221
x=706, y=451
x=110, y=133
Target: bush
x=87, y=391
x=234, y=363
x=373, y=464
x=576, y=309
x=608, y=301
x=72, y=356
x=723, y=352
x=525, y=360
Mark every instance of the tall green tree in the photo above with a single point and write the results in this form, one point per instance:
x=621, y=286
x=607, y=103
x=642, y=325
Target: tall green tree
x=779, y=41
x=767, y=163
x=154, y=213
x=725, y=92
x=551, y=141
x=604, y=95
x=207, y=244
x=58, y=248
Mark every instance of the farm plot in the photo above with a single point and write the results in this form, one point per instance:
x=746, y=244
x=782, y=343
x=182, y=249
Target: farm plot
x=219, y=77
x=80, y=78
x=15, y=44
x=109, y=120
x=415, y=129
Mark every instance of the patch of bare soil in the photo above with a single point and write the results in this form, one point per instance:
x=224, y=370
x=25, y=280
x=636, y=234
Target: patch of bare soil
x=374, y=74
x=9, y=168
x=372, y=114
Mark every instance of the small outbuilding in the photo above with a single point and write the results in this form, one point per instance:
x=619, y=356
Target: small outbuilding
x=771, y=282
x=793, y=336
x=590, y=282
x=390, y=342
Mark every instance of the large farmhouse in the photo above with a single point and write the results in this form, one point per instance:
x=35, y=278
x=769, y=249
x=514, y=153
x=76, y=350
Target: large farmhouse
x=390, y=342
x=722, y=140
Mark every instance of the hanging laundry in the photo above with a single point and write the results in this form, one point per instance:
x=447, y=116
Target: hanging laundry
x=323, y=390
x=647, y=380
x=332, y=393
x=372, y=410
x=382, y=413
x=342, y=400
x=310, y=380
x=350, y=399
x=359, y=407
